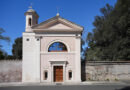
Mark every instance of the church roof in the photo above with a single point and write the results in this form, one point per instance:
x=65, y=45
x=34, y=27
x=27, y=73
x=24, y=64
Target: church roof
x=31, y=11
x=44, y=26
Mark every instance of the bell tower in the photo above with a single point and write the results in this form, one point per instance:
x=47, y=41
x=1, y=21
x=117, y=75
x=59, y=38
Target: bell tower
x=31, y=19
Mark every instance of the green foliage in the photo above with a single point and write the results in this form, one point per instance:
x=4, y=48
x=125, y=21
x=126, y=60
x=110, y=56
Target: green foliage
x=3, y=54
x=110, y=39
x=82, y=50
x=17, y=48
x=82, y=43
x=10, y=57
x=116, y=79
x=3, y=37
x=107, y=79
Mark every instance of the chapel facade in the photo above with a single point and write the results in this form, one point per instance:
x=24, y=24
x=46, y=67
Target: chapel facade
x=51, y=50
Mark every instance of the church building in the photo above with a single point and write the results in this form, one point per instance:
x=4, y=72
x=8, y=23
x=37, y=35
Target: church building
x=51, y=50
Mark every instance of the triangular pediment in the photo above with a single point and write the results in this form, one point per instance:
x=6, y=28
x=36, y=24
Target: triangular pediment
x=54, y=25
x=59, y=26
x=57, y=23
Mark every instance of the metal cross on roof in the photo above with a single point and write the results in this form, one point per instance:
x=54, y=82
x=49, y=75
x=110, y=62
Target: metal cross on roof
x=31, y=4
x=57, y=12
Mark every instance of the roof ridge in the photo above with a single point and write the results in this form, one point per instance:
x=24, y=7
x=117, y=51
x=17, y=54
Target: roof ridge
x=53, y=18
x=45, y=21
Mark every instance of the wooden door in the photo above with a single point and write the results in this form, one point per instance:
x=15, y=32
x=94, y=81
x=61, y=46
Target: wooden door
x=58, y=73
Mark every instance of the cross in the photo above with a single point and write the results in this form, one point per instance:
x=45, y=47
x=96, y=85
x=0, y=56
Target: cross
x=57, y=11
x=31, y=4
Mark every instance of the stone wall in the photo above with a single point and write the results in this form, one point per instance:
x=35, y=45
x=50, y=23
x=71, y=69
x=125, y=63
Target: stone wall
x=106, y=71
x=10, y=71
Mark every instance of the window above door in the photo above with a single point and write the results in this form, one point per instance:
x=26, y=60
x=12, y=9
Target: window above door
x=57, y=47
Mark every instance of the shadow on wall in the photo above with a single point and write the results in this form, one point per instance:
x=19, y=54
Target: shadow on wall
x=125, y=88
x=83, y=73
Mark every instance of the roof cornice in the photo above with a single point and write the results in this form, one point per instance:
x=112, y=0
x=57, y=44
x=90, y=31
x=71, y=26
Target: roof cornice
x=54, y=19
x=57, y=30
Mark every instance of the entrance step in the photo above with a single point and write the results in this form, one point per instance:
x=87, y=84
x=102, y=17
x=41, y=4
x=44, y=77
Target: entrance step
x=58, y=84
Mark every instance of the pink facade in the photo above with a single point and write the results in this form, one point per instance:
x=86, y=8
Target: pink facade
x=42, y=65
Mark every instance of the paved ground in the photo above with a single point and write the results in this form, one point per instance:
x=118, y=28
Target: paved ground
x=96, y=85
x=70, y=87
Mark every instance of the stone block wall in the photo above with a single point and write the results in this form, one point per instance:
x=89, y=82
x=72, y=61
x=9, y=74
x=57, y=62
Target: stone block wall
x=10, y=71
x=106, y=71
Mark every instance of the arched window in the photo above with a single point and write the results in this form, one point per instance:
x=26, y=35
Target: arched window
x=29, y=22
x=57, y=47
x=70, y=74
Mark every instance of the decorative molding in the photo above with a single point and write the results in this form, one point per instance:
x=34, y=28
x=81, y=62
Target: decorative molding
x=58, y=40
x=58, y=19
x=49, y=53
x=56, y=35
x=58, y=62
x=38, y=37
x=57, y=30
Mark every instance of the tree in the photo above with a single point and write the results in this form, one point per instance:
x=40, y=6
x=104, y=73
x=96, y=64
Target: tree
x=82, y=49
x=82, y=43
x=3, y=37
x=110, y=39
x=3, y=54
x=17, y=48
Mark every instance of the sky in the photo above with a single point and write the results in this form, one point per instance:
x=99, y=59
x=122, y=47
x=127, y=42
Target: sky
x=81, y=12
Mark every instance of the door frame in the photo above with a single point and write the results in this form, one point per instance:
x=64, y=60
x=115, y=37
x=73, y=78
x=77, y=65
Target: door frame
x=58, y=63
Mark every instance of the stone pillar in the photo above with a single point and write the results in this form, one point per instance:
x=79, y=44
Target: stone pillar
x=77, y=58
x=31, y=58
x=64, y=73
x=38, y=56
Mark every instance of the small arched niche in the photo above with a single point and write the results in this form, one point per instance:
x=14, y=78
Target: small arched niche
x=57, y=47
x=45, y=75
x=70, y=74
x=29, y=21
